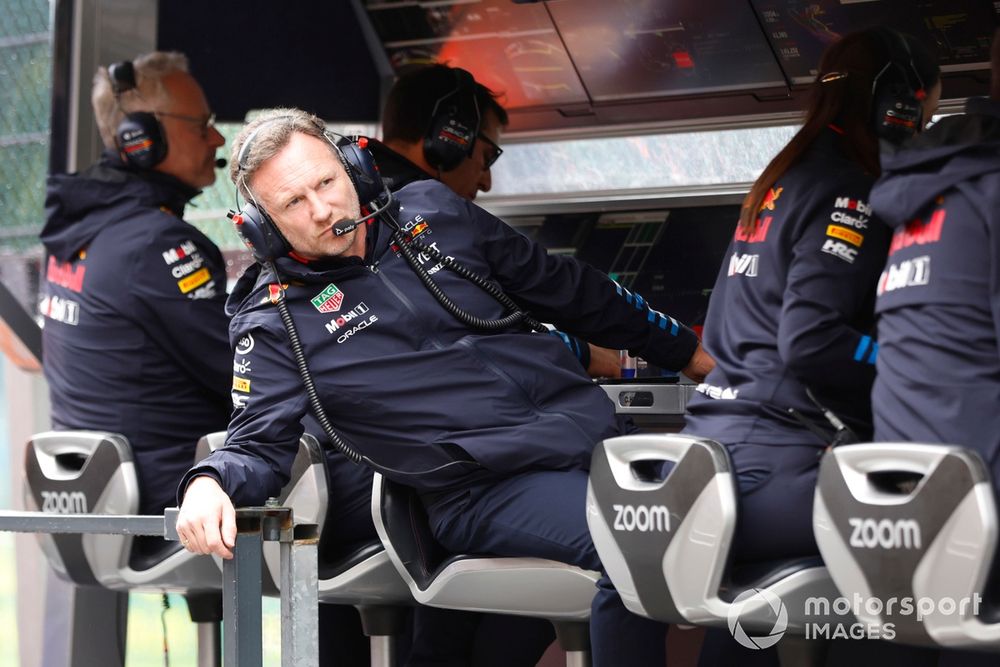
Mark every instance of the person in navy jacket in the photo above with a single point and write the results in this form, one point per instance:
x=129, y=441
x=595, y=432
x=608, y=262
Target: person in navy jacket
x=132, y=296
x=440, y=637
x=415, y=104
x=792, y=308
x=938, y=296
x=938, y=301
x=494, y=429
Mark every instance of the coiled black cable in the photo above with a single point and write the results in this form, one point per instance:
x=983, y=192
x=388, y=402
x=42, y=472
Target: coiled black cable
x=515, y=318
x=406, y=245
x=307, y=381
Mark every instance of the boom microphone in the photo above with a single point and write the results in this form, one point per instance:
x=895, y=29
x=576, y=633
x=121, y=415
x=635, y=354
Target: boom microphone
x=346, y=226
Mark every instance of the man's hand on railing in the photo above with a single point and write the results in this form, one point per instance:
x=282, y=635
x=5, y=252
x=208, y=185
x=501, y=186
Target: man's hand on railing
x=207, y=520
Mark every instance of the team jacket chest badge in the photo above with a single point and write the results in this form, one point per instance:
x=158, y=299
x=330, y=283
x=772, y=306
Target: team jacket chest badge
x=770, y=198
x=329, y=300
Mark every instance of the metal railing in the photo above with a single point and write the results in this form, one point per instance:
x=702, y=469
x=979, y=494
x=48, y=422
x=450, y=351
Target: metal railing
x=241, y=576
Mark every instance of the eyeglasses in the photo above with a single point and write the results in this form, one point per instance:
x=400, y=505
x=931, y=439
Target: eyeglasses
x=204, y=123
x=490, y=160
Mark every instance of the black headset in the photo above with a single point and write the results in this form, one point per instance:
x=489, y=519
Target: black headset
x=454, y=124
x=254, y=225
x=897, y=91
x=140, y=138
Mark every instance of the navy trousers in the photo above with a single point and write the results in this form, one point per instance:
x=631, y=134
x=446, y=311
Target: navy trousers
x=543, y=514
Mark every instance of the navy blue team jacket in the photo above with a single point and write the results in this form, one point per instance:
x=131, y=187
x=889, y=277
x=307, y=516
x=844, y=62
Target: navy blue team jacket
x=397, y=171
x=427, y=399
x=939, y=296
x=792, y=308
x=135, y=336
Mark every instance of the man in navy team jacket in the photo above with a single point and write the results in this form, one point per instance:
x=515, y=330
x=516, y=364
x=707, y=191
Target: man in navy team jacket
x=133, y=296
x=493, y=429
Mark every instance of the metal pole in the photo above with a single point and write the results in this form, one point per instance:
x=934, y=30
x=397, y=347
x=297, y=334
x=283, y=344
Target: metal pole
x=105, y=524
x=241, y=576
x=209, y=644
x=241, y=596
x=299, y=598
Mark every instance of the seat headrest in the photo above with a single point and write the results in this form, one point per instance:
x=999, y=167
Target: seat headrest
x=891, y=518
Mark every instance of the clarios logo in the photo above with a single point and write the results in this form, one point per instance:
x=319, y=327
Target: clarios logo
x=886, y=533
x=757, y=597
x=641, y=518
x=64, y=502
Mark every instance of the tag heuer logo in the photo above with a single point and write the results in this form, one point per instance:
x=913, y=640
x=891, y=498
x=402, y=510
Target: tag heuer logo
x=329, y=300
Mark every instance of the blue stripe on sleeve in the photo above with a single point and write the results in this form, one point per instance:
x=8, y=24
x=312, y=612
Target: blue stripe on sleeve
x=874, y=354
x=859, y=353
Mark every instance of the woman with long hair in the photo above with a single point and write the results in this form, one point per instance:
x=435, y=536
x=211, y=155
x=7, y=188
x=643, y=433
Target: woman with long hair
x=790, y=318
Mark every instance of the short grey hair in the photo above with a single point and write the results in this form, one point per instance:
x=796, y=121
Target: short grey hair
x=264, y=137
x=149, y=95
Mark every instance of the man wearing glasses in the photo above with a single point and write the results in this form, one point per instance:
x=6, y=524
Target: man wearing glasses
x=422, y=111
x=135, y=331
x=420, y=140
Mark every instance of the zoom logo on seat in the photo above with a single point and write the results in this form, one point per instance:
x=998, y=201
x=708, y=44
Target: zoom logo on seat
x=64, y=502
x=629, y=518
x=886, y=534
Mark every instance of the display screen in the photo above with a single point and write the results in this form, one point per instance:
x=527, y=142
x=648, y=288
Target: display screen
x=958, y=32
x=650, y=48
x=510, y=48
x=671, y=258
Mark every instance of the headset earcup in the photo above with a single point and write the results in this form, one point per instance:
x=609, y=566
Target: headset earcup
x=454, y=124
x=897, y=112
x=363, y=171
x=259, y=234
x=141, y=140
x=449, y=141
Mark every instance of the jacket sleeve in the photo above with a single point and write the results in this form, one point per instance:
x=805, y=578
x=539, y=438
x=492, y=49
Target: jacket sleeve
x=268, y=406
x=178, y=287
x=829, y=295
x=578, y=298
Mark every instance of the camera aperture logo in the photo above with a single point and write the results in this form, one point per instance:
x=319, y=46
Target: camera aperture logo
x=758, y=599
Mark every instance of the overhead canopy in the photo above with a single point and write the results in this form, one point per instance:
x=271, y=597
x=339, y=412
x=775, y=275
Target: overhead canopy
x=563, y=65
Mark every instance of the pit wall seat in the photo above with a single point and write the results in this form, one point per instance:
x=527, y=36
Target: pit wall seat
x=361, y=576
x=532, y=587
x=662, y=510
x=77, y=472
x=913, y=521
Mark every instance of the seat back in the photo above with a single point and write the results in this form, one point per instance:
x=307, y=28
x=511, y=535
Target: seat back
x=901, y=521
x=665, y=541
x=522, y=586
x=81, y=472
x=681, y=526
x=402, y=524
x=94, y=472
